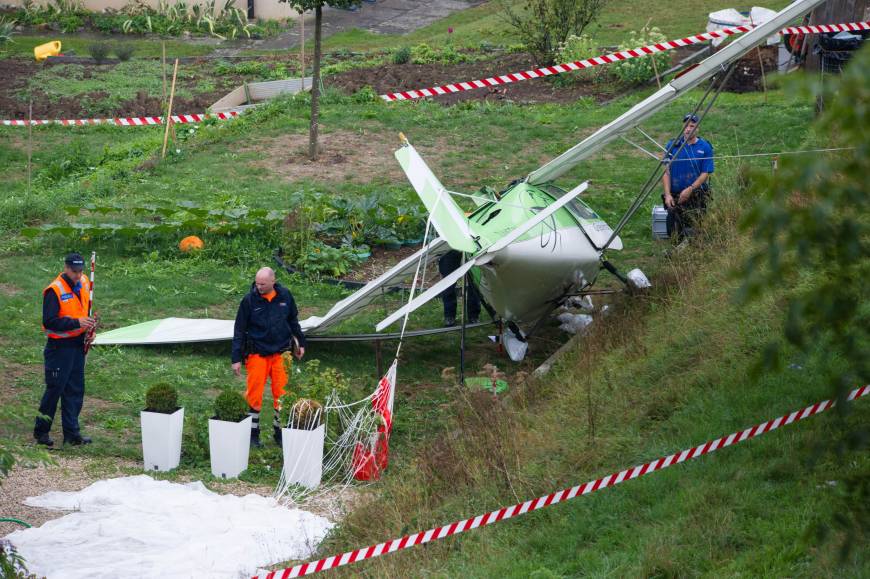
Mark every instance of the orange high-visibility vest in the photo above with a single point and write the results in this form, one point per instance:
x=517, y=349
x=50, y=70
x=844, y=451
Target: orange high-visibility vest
x=71, y=306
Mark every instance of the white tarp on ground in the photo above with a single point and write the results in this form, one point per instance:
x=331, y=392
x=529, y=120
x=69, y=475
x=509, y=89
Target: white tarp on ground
x=731, y=17
x=138, y=527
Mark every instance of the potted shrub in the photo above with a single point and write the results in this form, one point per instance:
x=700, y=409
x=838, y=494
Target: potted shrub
x=302, y=443
x=162, y=423
x=229, y=435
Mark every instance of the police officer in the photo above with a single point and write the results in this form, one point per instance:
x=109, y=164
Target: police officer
x=267, y=324
x=685, y=181
x=65, y=321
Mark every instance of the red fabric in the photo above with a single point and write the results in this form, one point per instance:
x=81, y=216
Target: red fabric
x=367, y=463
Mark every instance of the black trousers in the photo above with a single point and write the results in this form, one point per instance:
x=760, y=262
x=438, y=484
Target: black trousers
x=64, y=382
x=683, y=217
x=450, y=262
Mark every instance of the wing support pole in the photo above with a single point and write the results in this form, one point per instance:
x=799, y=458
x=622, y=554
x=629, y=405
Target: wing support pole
x=706, y=102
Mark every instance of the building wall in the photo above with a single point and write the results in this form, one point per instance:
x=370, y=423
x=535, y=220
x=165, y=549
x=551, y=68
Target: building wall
x=265, y=9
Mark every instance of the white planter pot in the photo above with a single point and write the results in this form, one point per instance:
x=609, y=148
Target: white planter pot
x=303, y=455
x=161, y=439
x=229, y=444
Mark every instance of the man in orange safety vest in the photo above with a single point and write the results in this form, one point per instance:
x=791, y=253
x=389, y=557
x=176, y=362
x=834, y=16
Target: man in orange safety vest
x=65, y=321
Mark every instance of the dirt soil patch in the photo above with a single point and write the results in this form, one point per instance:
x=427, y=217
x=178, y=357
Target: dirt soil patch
x=399, y=77
x=359, y=156
x=16, y=73
x=747, y=75
x=382, y=260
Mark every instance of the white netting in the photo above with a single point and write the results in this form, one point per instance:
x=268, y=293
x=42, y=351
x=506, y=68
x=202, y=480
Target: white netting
x=356, y=434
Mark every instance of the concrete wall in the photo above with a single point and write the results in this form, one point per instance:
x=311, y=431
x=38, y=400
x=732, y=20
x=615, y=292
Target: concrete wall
x=265, y=9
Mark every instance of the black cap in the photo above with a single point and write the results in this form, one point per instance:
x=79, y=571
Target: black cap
x=691, y=117
x=75, y=261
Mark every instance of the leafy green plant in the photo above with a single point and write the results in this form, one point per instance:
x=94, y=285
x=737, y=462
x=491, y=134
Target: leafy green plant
x=99, y=51
x=161, y=397
x=322, y=259
x=7, y=29
x=402, y=56
x=12, y=564
x=640, y=70
x=313, y=383
x=579, y=48
x=366, y=95
x=543, y=25
x=423, y=54
x=230, y=406
x=124, y=51
x=812, y=232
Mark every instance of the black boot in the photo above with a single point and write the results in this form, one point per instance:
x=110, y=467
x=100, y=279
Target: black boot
x=40, y=431
x=43, y=438
x=76, y=440
x=276, y=435
x=255, y=428
x=255, y=438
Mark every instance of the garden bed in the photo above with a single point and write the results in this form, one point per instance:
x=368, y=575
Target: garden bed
x=398, y=77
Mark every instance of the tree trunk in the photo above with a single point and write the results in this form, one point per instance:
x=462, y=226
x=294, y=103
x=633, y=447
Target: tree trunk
x=315, y=87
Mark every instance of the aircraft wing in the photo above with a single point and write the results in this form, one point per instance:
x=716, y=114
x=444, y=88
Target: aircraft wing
x=372, y=290
x=659, y=99
x=446, y=215
x=428, y=295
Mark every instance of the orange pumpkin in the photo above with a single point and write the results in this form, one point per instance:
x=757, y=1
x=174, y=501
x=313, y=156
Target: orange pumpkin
x=190, y=243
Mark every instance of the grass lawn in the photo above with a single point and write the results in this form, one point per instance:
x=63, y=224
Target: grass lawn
x=659, y=374
x=23, y=45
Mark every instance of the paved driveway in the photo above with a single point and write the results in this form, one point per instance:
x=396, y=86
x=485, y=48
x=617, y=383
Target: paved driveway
x=382, y=16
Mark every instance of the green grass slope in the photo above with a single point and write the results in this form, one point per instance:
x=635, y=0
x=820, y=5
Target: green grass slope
x=667, y=372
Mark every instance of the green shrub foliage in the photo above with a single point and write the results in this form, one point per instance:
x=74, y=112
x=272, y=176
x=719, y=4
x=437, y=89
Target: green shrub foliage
x=162, y=398
x=230, y=406
x=99, y=52
x=543, y=25
x=402, y=56
x=641, y=70
x=124, y=51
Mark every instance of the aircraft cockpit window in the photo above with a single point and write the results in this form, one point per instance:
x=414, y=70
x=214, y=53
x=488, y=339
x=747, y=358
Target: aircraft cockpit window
x=491, y=216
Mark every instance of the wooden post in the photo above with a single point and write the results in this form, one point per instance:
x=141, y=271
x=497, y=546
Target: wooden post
x=656, y=70
x=761, y=69
x=379, y=359
x=168, y=119
x=163, y=68
x=302, y=46
x=29, y=143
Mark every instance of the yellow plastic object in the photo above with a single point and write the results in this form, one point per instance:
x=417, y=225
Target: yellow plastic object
x=43, y=51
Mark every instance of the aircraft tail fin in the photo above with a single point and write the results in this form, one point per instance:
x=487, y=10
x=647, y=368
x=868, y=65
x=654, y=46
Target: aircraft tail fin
x=447, y=217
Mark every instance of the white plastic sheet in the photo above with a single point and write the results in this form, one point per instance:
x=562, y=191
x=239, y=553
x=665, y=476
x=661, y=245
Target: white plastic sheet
x=137, y=527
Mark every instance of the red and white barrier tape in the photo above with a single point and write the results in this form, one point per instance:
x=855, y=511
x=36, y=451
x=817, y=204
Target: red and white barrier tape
x=608, y=58
x=409, y=541
x=123, y=121
x=472, y=84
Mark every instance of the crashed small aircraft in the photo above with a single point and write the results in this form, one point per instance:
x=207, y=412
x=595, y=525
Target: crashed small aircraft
x=534, y=246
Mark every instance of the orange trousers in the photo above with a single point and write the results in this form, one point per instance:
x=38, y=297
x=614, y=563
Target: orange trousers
x=261, y=368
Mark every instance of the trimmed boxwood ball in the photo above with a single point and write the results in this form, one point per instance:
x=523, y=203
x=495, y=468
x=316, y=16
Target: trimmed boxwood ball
x=230, y=406
x=162, y=398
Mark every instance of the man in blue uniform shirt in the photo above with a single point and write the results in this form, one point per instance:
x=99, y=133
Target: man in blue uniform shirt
x=689, y=165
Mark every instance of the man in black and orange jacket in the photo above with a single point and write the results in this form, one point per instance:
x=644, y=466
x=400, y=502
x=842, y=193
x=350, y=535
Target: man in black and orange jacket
x=65, y=322
x=267, y=324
